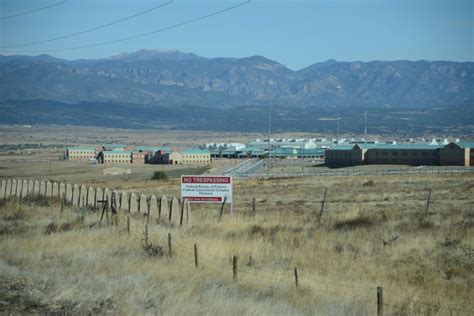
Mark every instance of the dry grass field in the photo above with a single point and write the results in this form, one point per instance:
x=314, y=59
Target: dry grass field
x=373, y=232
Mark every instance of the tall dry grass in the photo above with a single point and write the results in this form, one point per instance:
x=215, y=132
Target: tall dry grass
x=369, y=235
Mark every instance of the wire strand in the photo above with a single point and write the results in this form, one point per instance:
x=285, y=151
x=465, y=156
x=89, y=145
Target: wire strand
x=137, y=35
x=91, y=29
x=32, y=11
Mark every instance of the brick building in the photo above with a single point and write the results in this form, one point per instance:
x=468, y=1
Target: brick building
x=80, y=153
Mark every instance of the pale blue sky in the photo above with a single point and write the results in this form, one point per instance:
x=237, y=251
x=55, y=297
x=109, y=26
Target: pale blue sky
x=295, y=33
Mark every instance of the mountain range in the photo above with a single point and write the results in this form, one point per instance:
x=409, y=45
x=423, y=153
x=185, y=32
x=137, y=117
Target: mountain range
x=177, y=79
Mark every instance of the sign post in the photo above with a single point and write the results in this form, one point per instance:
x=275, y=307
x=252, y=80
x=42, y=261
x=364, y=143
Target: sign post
x=207, y=189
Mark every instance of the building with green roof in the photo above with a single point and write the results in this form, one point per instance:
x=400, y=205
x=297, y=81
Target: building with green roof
x=460, y=153
x=403, y=154
x=407, y=154
x=251, y=152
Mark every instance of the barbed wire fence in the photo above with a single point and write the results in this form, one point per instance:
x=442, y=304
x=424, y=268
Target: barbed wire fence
x=137, y=226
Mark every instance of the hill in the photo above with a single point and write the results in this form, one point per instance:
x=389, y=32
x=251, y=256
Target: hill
x=152, y=77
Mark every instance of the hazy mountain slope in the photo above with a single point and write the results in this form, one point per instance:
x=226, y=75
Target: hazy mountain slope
x=176, y=78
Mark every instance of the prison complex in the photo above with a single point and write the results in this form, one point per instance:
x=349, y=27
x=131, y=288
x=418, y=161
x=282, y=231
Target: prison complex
x=118, y=154
x=336, y=153
x=452, y=154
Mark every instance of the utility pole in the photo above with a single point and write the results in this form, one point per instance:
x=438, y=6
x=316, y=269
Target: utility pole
x=50, y=161
x=365, y=125
x=338, y=123
x=269, y=134
x=302, y=153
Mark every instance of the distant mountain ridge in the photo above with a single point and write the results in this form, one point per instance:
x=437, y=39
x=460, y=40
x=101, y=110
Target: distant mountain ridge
x=173, y=78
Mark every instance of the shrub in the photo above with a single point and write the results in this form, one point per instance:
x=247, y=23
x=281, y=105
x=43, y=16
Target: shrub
x=369, y=183
x=159, y=175
x=354, y=223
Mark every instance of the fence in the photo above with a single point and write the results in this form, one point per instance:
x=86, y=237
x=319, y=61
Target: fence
x=376, y=299
x=247, y=167
x=79, y=195
x=335, y=173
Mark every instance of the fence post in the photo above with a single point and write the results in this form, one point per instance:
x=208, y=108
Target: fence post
x=196, y=256
x=83, y=209
x=428, y=203
x=63, y=200
x=107, y=209
x=146, y=233
x=78, y=198
x=322, y=205
x=169, y=245
x=253, y=206
x=147, y=219
x=379, y=301
x=296, y=277
x=234, y=267
x=222, y=208
x=139, y=201
x=95, y=199
x=128, y=224
x=181, y=216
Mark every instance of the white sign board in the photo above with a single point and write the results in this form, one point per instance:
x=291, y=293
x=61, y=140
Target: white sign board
x=206, y=189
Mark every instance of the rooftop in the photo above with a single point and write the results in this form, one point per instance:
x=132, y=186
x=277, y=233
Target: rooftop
x=466, y=144
x=81, y=148
x=195, y=151
x=116, y=152
x=387, y=146
x=153, y=148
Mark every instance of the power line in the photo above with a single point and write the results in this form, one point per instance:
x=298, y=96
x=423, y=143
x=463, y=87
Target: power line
x=91, y=29
x=32, y=11
x=138, y=35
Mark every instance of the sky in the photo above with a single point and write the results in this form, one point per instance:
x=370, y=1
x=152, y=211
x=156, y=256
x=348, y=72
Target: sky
x=294, y=33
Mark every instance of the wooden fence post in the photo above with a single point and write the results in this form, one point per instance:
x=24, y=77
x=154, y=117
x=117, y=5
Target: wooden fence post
x=146, y=233
x=253, y=206
x=95, y=199
x=234, y=267
x=83, y=209
x=107, y=202
x=170, y=210
x=78, y=197
x=169, y=245
x=428, y=203
x=196, y=256
x=182, y=213
x=63, y=200
x=322, y=205
x=188, y=206
x=379, y=301
x=296, y=277
x=148, y=204
x=222, y=208
x=128, y=224
x=139, y=202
